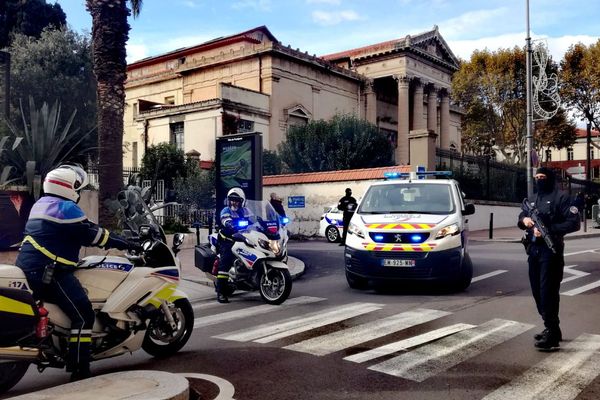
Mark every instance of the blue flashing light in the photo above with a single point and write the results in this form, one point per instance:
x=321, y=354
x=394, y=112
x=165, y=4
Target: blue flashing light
x=419, y=174
x=416, y=238
x=285, y=220
x=242, y=223
x=378, y=238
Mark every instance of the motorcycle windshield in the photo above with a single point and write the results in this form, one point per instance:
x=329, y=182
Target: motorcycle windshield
x=135, y=212
x=261, y=216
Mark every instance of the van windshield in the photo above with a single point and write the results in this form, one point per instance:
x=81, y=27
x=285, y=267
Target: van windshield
x=408, y=198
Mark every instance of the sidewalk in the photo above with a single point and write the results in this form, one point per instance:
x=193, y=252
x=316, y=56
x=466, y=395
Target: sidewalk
x=514, y=234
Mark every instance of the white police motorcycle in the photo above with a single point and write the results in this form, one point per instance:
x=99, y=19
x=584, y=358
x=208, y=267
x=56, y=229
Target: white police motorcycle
x=136, y=300
x=260, y=254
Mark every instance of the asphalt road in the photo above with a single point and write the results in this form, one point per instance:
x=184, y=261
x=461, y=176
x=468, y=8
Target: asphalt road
x=331, y=342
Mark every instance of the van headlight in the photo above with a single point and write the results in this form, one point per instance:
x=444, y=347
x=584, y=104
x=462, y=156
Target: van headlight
x=356, y=230
x=450, y=230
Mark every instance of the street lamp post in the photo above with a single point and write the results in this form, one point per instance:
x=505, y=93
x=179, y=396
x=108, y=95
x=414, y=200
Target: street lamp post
x=529, y=136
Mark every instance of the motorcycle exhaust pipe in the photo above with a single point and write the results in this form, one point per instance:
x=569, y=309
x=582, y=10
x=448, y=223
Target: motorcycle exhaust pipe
x=19, y=353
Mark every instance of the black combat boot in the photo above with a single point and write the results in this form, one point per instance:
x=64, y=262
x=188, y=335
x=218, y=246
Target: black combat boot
x=539, y=336
x=550, y=340
x=82, y=372
x=221, y=298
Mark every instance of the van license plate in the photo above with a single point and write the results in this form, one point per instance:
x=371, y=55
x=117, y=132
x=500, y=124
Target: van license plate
x=392, y=262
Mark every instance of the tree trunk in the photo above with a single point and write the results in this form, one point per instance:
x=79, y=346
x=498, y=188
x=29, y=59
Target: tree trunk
x=109, y=35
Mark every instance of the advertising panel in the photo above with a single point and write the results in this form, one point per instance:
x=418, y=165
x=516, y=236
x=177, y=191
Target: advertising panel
x=239, y=164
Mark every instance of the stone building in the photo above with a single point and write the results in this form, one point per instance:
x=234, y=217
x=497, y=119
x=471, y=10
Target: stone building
x=250, y=82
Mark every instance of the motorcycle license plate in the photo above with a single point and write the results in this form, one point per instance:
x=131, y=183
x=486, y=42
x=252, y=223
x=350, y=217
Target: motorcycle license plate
x=394, y=262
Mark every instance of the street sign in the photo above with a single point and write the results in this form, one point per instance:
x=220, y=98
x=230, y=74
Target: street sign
x=295, y=201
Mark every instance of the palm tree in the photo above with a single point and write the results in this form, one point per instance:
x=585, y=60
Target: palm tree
x=110, y=31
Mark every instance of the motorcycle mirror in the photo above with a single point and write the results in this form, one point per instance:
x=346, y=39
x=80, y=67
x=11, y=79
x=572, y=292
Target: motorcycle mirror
x=146, y=194
x=178, y=239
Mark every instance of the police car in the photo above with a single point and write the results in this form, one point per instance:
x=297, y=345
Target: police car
x=410, y=227
x=331, y=224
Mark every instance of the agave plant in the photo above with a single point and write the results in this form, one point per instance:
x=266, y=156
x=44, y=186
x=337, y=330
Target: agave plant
x=7, y=169
x=43, y=144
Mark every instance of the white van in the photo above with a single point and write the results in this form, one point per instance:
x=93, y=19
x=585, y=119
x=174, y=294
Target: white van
x=409, y=228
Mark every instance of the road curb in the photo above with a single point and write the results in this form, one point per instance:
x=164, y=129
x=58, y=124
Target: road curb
x=129, y=385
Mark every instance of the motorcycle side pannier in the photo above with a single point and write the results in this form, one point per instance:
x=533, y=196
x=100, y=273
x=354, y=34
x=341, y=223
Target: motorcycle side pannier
x=18, y=316
x=204, y=257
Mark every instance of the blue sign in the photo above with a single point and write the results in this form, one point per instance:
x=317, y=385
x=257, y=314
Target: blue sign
x=295, y=201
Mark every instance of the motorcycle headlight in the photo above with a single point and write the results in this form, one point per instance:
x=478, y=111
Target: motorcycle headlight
x=275, y=246
x=356, y=230
x=264, y=244
x=449, y=230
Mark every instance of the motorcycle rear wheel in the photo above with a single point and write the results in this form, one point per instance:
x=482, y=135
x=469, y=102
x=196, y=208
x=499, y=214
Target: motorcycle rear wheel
x=11, y=372
x=160, y=341
x=275, y=286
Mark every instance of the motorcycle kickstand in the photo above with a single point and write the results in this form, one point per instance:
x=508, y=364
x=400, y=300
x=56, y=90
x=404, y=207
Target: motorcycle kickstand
x=168, y=315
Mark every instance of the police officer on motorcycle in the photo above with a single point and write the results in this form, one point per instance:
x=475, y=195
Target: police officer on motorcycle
x=546, y=263
x=236, y=200
x=55, y=231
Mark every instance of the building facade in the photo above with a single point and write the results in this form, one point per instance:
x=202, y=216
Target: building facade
x=250, y=82
x=573, y=160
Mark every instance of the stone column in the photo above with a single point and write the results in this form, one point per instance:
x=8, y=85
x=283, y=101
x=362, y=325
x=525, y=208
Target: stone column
x=444, y=119
x=402, y=151
x=432, y=108
x=418, y=122
x=422, y=149
x=371, y=100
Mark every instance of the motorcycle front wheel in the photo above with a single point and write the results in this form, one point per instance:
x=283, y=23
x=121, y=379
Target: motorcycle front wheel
x=163, y=341
x=275, y=285
x=11, y=373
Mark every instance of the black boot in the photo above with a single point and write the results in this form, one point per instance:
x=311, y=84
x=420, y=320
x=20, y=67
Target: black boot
x=221, y=298
x=539, y=336
x=82, y=372
x=550, y=340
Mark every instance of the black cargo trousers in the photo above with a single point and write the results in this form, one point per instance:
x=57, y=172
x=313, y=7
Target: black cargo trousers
x=66, y=291
x=545, y=275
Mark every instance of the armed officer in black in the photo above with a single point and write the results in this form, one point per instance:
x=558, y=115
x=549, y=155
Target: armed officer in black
x=545, y=265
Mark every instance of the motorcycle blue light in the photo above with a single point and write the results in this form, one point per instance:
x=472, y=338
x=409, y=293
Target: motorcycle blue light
x=416, y=238
x=242, y=223
x=285, y=220
x=378, y=238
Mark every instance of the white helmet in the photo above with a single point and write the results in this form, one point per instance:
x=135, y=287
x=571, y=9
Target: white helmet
x=66, y=181
x=236, y=194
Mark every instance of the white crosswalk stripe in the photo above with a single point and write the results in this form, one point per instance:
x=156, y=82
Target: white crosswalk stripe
x=407, y=343
x=252, y=311
x=561, y=376
x=349, y=337
x=270, y=332
x=429, y=360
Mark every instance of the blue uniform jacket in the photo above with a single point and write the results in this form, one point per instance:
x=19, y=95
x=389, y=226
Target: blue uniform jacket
x=56, y=230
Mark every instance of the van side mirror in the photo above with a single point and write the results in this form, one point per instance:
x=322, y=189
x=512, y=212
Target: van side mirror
x=469, y=209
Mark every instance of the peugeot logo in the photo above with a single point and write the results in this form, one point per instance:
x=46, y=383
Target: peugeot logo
x=398, y=237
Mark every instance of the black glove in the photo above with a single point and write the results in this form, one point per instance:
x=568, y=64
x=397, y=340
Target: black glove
x=134, y=246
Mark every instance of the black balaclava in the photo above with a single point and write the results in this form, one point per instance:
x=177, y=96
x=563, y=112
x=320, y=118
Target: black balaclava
x=545, y=185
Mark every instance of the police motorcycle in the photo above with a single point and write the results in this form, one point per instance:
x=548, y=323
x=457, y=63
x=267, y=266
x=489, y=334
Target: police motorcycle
x=136, y=299
x=260, y=253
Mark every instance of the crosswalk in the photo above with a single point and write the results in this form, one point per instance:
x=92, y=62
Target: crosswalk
x=418, y=357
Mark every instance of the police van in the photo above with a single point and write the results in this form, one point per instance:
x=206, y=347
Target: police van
x=410, y=227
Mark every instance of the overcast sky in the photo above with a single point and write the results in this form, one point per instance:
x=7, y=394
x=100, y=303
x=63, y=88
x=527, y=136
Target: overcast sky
x=328, y=26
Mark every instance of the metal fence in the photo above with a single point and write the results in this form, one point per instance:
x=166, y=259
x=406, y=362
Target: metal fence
x=186, y=215
x=481, y=178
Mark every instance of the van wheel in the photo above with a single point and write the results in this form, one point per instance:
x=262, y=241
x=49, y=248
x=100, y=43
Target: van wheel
x=356, y=282
x=466, y=274
x=332, y=234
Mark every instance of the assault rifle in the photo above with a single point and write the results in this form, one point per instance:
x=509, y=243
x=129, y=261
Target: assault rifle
x=534, y=214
